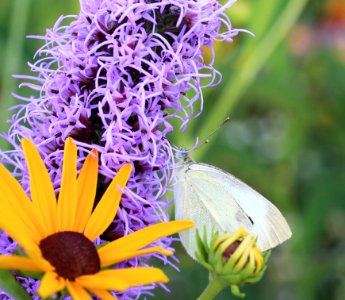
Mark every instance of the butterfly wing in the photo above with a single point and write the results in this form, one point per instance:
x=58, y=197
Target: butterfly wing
x=220, y=199
x=204, y=200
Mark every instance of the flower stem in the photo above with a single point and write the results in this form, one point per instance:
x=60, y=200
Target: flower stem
x=214, y=287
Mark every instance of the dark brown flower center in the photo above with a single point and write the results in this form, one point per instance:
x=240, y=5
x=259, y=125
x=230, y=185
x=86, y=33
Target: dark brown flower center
x=71, y=253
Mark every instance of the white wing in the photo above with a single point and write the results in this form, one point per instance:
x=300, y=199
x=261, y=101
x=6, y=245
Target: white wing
x=214, y=198
x=200, y=198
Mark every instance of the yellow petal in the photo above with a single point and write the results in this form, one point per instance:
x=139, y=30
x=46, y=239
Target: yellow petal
x=242, y=249
x=228, y=239
x=42, y=191
x=103, y=294
x=16, y=229
x=51, y=283
x=143, y=237
x=86, y=190
x=13, y=262
x=115, y=257
x=15, y=199
x=122, y=279
x=101, y=281
x=106, y=209
x=258, y=259
x=77, y=292
x=251, y=263
x=67, y=203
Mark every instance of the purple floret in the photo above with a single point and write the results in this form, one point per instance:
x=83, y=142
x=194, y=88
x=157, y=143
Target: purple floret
x=113, y=77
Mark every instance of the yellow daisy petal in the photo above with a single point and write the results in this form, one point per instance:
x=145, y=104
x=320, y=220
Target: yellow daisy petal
x=42, y=191
x=122, y=279
x=13, y=196
x=103, y=294
x=13, y=262
x=86, y=190
x=106, y=209
x=100, y=281
x=67, y=203
x=115, y=257
x=16, y=229
x=51, y=283
x=77, y=292
x=143, y=237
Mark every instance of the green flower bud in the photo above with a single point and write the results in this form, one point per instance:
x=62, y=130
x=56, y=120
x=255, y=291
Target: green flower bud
x=233, y=258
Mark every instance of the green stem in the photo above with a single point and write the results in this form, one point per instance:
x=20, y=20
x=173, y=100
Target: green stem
x=214, y=287
x=13, y=53
x=11, y=286
x=247, y=72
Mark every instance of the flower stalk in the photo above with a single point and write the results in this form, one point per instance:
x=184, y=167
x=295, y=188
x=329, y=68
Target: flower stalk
x=214, y=287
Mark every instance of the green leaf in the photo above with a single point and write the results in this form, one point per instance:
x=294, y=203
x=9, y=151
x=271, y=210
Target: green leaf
x=12, y=287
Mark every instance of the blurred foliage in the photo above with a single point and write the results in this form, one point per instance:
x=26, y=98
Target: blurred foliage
x=285, y=138
x=20, y=18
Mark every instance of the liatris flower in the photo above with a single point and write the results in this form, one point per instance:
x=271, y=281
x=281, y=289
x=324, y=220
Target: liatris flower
x=58, y=236
x=112, y=79
x=232, y=260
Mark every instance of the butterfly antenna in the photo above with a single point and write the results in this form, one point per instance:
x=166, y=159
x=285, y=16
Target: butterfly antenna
x=207, y=139
x=182, y=153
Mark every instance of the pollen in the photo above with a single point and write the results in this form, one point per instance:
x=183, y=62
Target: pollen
x=71, y=254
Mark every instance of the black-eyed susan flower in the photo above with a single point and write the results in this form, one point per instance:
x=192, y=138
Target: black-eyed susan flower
x=57, y=234
x=232, y=260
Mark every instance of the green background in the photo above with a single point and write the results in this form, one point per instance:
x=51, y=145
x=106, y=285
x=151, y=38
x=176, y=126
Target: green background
x=284, y=92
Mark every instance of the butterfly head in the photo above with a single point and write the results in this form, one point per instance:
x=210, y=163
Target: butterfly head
x=182, y=154
x=182, y=158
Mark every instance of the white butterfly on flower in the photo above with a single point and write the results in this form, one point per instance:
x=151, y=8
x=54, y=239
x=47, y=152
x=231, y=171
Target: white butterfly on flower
x=216, y=200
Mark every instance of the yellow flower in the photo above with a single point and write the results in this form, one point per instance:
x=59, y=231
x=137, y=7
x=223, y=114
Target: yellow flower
x=57, y=235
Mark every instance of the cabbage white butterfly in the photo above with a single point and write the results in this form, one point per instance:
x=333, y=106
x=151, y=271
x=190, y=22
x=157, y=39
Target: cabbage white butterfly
x=216, y=200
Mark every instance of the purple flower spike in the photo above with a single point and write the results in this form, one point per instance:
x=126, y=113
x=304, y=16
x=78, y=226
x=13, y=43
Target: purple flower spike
x=112, y=77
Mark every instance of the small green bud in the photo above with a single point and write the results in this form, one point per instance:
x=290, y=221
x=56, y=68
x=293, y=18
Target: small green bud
x=233, y=258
